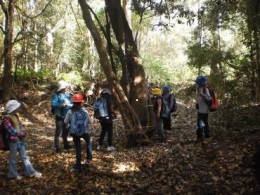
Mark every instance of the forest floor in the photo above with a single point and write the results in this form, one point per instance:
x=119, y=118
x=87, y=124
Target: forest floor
x=179, y=165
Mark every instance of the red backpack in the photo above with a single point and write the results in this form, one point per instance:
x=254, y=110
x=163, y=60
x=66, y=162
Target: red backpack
x=4, y=137
x=212, y=102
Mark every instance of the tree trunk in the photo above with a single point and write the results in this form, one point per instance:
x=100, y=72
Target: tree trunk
x=134, y=74
x=256, y=35
x=128, y=114
x=7, y=80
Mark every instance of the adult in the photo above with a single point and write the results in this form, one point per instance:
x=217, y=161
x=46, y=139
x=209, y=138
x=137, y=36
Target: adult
x=169, y=100
x=157, y=108
x=16, y=141
x=107, y=122
x=61, y=103
x=202, y=92
x=79, y=120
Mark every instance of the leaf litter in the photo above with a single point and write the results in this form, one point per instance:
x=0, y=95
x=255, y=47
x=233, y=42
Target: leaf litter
x=222, y=165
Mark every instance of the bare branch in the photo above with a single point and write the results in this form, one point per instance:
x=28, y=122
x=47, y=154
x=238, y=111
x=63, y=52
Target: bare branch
x=32, y=17
x=2, y=29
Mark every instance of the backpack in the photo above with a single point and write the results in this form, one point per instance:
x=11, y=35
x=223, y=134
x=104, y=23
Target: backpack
x=52, y=108
x=78, y=123
x=165, y=111
x=211, y=100
x=4, y=137
x=174, y=105
x=100, y=108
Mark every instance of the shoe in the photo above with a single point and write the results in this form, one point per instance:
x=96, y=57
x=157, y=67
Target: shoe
x=57, y=150
x=67, y=147
x=111, y=148
x=88, y=162
x=18, y=177
x=75, y=169
x=99, y=147
x=36, y=175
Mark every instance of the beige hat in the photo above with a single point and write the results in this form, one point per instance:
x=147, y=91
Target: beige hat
x=62, y=85
x=11, y=106
x=106, y=90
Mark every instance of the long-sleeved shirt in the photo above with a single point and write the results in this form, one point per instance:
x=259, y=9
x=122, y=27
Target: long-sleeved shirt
x=200, y=93
x=13, y=125
x=57, y=100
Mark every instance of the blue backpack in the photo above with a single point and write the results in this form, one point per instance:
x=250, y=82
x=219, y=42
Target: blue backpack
x=100, y=108
x=165, y=110
x=78, y=123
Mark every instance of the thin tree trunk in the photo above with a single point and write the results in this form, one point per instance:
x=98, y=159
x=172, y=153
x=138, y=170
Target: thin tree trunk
x=7, y=80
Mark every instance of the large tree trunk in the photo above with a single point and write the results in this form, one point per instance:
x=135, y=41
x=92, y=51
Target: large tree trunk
x=7, y=80
x=134, y=75
x=128, y=114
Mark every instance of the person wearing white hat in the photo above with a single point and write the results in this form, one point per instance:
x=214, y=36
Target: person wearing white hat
x=107, y=122
x=61, y=103
x=16, y=139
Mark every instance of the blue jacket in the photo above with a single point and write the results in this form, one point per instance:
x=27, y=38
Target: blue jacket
x=56, y=102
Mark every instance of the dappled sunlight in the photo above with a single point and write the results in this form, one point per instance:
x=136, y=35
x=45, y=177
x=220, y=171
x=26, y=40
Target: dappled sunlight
x=138, y=79
x=125, y=167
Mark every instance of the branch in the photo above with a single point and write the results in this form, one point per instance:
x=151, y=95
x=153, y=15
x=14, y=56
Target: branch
x=76, y=18
x=2, y=29
x=32, y=17
x=3, y=7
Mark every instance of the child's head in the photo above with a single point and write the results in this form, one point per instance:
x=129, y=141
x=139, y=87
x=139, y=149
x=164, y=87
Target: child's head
x=77, y=99
x=157, y=92
x=201, y=81
x=166, y=89
x=12, y=106
x=62, y=86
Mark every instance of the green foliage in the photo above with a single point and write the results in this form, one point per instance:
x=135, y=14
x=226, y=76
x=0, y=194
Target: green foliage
x=73, y=77
x=198, y=55
x=22, y=74
x=154, y=70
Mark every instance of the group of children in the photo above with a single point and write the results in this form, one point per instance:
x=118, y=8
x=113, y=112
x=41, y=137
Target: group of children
x=72, y=118
x=164, y=103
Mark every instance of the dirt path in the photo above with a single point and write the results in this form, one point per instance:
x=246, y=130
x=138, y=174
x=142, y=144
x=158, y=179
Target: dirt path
x=177, y=166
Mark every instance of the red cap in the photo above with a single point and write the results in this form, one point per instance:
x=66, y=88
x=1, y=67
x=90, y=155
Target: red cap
x=77, y=98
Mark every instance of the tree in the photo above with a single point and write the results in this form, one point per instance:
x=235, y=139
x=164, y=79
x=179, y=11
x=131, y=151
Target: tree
x=129, y=115
x=6, y=57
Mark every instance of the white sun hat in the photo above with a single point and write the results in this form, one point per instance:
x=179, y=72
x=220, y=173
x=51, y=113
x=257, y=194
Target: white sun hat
x=62, y=85
x=11, y=106
x=106, y=90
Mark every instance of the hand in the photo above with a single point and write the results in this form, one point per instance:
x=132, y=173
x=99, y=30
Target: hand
x=13, y=138
x=21, y=134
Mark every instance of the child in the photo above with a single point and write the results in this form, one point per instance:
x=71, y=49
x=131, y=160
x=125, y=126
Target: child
x=107, y=122
x=202, y=92
x=157, y=108
x=17, y=142
x=78, y=120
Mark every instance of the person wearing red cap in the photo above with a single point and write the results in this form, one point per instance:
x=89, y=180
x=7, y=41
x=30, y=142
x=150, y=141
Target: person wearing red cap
x=79, y=120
